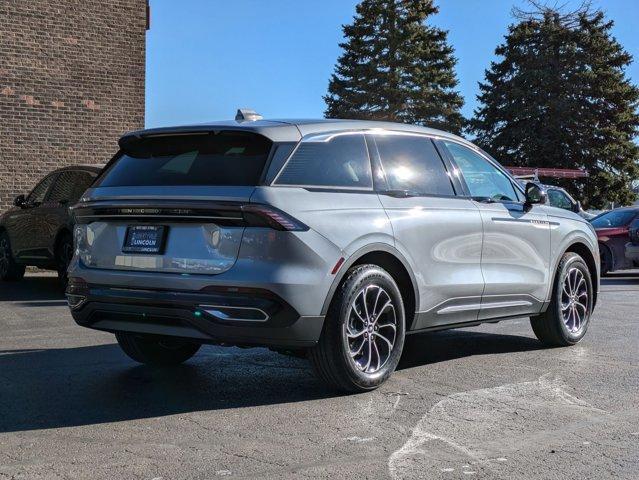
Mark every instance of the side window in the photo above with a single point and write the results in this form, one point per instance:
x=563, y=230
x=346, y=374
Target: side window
x=37, y=195
x=341, y=161
x=484, y=180
x=559, y=199
x=62, y=191
x=83, y=180
x=411, y=163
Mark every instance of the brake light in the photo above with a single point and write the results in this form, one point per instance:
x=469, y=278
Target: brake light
x=256, y=215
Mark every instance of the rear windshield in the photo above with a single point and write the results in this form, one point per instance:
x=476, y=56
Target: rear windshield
x=614, y=218
x=216, y=158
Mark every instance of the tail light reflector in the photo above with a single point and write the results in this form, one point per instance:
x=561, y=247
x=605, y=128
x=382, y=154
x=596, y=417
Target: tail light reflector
x=256, y=215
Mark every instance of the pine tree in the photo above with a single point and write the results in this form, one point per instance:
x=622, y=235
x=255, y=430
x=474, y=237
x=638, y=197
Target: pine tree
x=395, y=67
x=559, y=98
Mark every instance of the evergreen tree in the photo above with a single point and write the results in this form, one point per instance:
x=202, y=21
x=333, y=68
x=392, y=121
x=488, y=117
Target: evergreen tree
x=559, y=98
x=396, y=67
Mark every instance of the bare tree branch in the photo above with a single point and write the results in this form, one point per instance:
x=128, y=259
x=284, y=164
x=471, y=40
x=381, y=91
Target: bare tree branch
x=556, y=8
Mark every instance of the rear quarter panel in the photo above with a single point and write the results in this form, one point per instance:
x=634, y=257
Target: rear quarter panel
x=348, y=222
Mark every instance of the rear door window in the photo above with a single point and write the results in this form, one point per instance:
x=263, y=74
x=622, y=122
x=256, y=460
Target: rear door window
x=212, y=159
x=83, y=181
x=62, y=190
x=411, y=163
x=329, y=161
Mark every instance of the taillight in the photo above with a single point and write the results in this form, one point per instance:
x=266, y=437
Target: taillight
x=256, y=215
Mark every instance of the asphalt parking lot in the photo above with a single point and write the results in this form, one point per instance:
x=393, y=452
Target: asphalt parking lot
x=485, y=402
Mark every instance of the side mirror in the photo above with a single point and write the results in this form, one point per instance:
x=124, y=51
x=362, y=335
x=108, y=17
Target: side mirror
x=20, y=201
x=535, y=194
x=577, y=207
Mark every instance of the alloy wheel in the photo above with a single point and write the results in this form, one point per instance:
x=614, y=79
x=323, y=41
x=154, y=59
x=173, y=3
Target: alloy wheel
x=371, y=328
x=574, y=300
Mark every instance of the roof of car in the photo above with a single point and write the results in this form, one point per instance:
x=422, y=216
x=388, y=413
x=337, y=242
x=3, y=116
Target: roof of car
x=96, y=168
x=630, y=208
x=287, y=130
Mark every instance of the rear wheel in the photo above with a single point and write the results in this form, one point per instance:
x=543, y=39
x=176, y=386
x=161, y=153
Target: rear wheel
x=63, y=256
x=566, y=320
x=363, y=334
x=9, y=269
x=156, y=350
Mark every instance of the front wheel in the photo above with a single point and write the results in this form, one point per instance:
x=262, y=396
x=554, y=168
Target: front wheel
x=155, y=350
x=363, y=334
x=566, y=320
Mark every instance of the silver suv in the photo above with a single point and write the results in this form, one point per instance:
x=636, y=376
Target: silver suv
x=334, y=239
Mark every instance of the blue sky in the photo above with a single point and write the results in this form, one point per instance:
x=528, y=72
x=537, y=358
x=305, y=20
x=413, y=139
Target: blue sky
x=206, y=58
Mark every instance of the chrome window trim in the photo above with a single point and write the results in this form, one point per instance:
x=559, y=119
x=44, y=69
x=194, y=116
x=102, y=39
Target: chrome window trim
x=324, y=187
x=327, y=136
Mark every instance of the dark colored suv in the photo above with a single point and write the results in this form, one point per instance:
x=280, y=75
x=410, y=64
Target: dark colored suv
x=38, y=231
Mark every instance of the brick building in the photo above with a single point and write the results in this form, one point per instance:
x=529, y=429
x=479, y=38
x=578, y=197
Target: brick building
x=71, y=82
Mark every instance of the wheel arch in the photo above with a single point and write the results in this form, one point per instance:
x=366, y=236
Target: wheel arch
x=395, y=264
x=585, y=252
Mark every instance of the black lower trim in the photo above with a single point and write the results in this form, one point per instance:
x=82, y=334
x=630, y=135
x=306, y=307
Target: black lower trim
x=163, y=312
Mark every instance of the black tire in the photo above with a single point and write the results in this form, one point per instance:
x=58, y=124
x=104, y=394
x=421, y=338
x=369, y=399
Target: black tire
x=550, y=327
x=10, y=271
x=606, y=258
x=156, y=350
x=63, y=256
x=332, y=359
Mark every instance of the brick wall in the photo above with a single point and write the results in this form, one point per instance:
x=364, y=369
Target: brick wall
x=71, y=82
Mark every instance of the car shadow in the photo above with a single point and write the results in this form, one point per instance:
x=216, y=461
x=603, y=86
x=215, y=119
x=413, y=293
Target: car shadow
x=33, y=290
x=435, y=347
x=52, y=388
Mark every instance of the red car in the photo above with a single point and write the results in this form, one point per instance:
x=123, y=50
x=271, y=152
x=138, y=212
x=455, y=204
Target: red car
x=614, y=233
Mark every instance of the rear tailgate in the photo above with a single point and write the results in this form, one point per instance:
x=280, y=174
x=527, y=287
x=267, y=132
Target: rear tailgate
x=199, y=236
x=172, y=204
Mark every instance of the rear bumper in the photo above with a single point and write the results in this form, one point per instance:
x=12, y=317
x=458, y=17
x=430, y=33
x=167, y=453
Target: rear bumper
x=210, y=316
